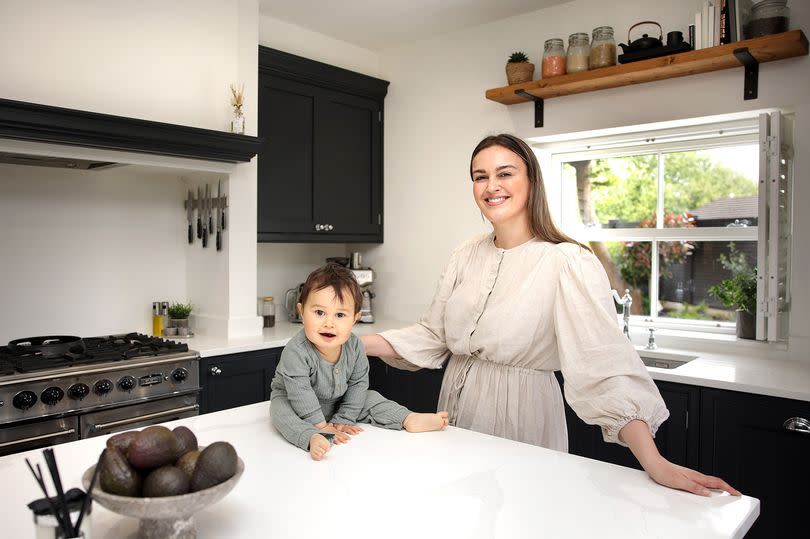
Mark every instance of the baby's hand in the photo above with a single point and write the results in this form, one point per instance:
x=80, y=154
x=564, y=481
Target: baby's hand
x=340, y=437
x=318, y=446
x=348, y=429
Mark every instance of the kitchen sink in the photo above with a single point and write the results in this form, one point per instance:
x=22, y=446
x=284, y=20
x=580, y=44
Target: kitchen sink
x=664, y=360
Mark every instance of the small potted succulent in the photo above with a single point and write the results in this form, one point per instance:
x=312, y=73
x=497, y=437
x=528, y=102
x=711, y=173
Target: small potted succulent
x=739, y=291
x=178, y=314
x=519, y=69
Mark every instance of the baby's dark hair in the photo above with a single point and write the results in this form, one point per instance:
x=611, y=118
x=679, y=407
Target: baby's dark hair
x=339, y=278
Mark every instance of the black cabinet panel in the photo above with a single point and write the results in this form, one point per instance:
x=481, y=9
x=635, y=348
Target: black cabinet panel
x=743, y=440
x=418, y=390
x=237, y=379
x=320, y=175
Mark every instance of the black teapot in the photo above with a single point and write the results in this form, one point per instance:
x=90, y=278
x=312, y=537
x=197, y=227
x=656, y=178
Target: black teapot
x=644, y=42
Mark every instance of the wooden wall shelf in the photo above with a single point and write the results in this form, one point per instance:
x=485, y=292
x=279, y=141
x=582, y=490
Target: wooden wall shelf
x=760, y=49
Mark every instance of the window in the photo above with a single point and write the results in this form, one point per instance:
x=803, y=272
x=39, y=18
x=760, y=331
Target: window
x=671, y=214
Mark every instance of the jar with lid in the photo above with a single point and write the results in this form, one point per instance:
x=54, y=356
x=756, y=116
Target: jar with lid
x=603, y=48
x=767, y=17
x=579, y=50
x=553, y=58
x=268, y=311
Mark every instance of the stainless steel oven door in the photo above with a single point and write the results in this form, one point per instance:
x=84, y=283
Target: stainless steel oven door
x=134, y=416
x=38, y=434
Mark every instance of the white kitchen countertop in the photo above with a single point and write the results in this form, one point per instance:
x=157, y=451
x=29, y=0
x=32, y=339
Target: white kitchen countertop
x=452, y=483
x=777, y=378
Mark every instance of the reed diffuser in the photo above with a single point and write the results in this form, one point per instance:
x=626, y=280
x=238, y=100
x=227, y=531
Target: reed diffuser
x=237, y=100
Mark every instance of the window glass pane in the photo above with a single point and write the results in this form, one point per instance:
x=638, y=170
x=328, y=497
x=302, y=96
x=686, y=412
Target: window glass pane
x=688, y=270
x=715, y=186
x=616, y=192
x=627, y=265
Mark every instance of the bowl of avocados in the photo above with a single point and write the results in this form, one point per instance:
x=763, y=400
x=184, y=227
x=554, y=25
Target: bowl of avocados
x=163, y=478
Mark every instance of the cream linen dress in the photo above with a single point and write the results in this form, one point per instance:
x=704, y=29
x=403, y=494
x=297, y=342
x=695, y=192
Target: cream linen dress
x=507, y=319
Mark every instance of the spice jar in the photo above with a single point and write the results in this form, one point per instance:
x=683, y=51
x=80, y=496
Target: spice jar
x=767, y=17
x=553, y=58
x=269, y=311
x=576, y=59
x=603, y=48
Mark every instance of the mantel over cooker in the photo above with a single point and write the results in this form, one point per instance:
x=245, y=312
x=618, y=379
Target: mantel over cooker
x=44, y=123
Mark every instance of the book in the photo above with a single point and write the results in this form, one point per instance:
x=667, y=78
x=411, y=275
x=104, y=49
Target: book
x=725, y=28
x=706, y=34
x=716, y=24
x=734, y=33
x=698, y=43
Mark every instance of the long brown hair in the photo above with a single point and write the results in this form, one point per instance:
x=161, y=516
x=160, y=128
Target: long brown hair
x=540, y=220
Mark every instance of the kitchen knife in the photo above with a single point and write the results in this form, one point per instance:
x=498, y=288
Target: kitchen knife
x=221, y=204
x=205, y=217
x=190, y=216
x=210, y=209
x=199, y=212
x=219, y=216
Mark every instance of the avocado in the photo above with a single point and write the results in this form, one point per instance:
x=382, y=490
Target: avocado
x=187, y=462
x=216, y=463
x=153, y=447
x=117, y=476
x=121, y=440
x=165, y=481
x=186, y=439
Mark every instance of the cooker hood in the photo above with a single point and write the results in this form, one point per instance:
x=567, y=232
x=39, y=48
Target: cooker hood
x=22, y=121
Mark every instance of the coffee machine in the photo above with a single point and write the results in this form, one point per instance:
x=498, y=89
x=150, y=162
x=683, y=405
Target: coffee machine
x=364, y=276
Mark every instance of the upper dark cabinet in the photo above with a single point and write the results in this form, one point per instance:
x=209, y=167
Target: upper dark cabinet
x=320, y=167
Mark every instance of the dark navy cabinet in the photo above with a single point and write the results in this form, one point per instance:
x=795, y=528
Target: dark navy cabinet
x=237, y=379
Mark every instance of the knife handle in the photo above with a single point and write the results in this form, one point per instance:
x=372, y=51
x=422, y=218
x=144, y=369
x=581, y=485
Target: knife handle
x=219, y=240
x=205, y=238
x=199, y=227
x=190, y=233
x=210, y=224
x=222, y=215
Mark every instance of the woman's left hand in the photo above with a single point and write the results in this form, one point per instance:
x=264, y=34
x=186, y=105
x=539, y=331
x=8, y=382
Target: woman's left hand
x=671, y=475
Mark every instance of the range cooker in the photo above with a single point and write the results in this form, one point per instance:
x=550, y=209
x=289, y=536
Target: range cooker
x=61, y=388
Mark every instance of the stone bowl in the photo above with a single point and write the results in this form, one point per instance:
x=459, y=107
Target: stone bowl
x=167, y=517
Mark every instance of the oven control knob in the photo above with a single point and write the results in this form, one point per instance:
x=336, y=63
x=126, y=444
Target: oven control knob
x=102, y=387
x=127, y=383
x=52, y=395
x=178, y=375
x=24, y=400
x=78, y=391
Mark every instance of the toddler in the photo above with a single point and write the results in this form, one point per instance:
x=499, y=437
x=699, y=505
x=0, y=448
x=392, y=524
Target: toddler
x=321, y=383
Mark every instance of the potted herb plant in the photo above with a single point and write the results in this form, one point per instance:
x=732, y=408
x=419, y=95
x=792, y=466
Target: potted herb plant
x=519, y=69
x=178, y=313
x=739, y=291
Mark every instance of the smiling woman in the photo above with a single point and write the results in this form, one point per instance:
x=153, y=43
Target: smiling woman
x=516, y=305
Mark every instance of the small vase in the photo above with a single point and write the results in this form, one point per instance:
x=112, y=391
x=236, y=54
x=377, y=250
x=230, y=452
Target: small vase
x=519, y=72
x=746, y=325
x=238, y=124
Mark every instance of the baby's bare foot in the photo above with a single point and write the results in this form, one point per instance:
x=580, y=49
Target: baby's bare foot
x=416, y=422
x=318, y=446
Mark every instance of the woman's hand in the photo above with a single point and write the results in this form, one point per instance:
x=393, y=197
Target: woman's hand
x=671, y=475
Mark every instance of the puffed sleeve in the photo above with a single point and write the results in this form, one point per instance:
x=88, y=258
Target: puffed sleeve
x=424, y=345
x=606, y=382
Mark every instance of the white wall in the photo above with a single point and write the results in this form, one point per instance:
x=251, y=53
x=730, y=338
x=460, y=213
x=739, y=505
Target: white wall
x=283, y=265
x=166, y=61
x=436, y=113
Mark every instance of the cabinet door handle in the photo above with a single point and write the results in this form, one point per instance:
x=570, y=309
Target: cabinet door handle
x=797, y=424
x=329, y=227
x=319, y=227
x=215, y=371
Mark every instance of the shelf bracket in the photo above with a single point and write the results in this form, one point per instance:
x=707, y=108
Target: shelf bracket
x=751, y=72
x=538, y=106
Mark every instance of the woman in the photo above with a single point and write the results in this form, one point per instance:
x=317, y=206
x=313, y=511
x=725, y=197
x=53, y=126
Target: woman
x=512, y=307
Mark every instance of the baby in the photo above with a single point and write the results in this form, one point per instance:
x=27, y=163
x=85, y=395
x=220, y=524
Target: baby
x=321, y=383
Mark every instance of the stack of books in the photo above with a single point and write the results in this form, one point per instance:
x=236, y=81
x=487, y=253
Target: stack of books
x=718, y=22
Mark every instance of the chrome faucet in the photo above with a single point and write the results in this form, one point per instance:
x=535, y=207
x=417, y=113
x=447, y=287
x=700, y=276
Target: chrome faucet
x=651, y=340
x=625, y=301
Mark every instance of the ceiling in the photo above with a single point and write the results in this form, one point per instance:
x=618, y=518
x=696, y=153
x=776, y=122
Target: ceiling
x=380, y=24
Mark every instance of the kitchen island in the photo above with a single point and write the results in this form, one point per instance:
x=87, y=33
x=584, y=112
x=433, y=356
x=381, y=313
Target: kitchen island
x=453, y=483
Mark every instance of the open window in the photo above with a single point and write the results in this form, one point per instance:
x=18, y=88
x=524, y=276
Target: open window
x=673, y=213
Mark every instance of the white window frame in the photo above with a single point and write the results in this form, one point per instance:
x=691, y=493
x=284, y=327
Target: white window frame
x=706, y=136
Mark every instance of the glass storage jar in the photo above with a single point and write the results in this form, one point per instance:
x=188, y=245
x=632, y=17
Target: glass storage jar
x=269, y=311
x=603, y=48
x=767, y=17
x=553, y=58
x=579, y=50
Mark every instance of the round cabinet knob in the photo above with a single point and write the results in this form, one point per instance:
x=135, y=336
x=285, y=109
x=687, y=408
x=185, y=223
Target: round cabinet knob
x=127, y=383
x=318, y=227
x=215, y=371
x=24, y=400
x=52, y=395
x=329, y=227
x=102, y=387
x=78, y=391
x=178, y=375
